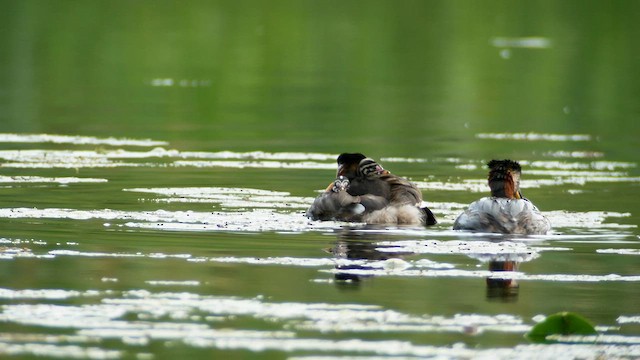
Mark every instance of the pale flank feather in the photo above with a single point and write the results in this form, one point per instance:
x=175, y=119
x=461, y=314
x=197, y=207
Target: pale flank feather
x=502, y=215
x=401, y=215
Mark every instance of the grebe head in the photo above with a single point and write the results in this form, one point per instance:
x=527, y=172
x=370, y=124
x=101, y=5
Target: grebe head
x=504, y=178
x=348, y=164
x=369, y=168
x=340, y=184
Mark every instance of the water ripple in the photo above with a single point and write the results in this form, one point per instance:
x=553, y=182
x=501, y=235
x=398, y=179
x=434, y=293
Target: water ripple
x=76, y=140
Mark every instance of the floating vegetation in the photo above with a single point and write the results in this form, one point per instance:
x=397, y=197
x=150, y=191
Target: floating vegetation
x=564, y=323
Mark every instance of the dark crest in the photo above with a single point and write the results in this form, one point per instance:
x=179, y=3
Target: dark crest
x=504, y=178
x=350, y=158
x=498, y=169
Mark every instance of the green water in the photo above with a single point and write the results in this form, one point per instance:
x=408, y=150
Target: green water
x=160, y=249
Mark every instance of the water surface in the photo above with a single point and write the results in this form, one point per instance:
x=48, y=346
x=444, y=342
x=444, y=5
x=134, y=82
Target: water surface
x=155, y=167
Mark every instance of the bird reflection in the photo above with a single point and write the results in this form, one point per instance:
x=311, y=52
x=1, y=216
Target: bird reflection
x=365, y=244
x=502, y=289
x=358, y=244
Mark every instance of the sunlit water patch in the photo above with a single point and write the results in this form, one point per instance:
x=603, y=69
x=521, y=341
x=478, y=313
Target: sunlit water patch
x=183, y=83
x=200, y=321
x=72, y=159
x=553, y=173
x=170, y=316
x=41, y=346
x=532, y=42
x=499, y=275
x=265, y=216
x=229, y=197
x=534, y=136
x=619, y=251
x=173, y=283
x=259, y=155
x=574, y=154
x=125, y=323
x=69, y=159
x=76, y=140
x=264, y=164
x=241, y=221
x=46, y=294
x=251, y=210
x=44, y=180
x=589, y=221
x=495, y=251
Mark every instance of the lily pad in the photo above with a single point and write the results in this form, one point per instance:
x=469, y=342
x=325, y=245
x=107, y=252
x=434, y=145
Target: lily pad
x=563, y=323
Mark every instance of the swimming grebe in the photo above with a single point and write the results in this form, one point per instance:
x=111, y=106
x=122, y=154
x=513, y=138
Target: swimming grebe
x=506, y=211
x=386, y=198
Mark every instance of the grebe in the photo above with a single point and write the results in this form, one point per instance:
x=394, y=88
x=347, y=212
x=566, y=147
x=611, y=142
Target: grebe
x=385, y=197
x=506, y=210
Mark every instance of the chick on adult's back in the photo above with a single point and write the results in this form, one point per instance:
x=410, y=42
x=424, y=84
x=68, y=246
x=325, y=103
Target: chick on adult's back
x=370, y=178
x=505, y=211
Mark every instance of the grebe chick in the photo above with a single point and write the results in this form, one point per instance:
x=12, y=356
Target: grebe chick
x=368, y=177
x=335, y=203
x=506, y=210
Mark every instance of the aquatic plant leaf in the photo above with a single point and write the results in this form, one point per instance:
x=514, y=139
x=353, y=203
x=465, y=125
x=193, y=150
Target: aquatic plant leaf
x=563, y=323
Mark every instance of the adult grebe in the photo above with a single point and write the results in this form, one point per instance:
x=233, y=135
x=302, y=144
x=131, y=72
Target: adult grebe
x=506, y=211
x=387, y=198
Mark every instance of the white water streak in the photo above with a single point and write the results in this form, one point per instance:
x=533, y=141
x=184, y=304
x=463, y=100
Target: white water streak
x=76, y=140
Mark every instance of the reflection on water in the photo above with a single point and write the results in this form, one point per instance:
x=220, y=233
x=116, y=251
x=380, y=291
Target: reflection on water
x=356, y=244
x=504, y=289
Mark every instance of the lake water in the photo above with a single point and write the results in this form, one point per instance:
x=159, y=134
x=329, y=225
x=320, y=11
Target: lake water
x=156, y=160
